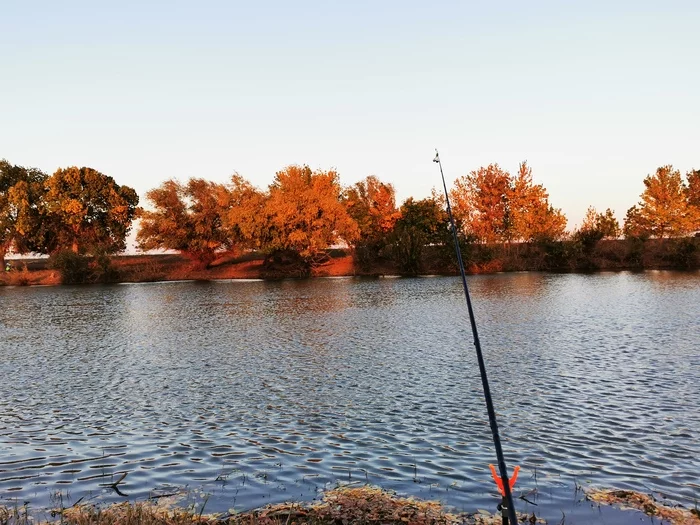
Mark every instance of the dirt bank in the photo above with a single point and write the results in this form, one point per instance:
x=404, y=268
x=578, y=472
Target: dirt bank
x=567, y=256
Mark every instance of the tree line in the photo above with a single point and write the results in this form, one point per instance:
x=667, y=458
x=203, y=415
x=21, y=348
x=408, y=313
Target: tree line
x=303, y=212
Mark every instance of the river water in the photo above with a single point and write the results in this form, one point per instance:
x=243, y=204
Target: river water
x=249, y=392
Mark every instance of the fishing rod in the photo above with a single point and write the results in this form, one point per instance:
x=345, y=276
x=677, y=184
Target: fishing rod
x=506, y=484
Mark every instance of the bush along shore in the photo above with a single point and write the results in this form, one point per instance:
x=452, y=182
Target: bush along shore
x=555, y=256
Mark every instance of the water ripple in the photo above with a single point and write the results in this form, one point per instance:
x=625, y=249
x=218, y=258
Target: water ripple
x=261, y=392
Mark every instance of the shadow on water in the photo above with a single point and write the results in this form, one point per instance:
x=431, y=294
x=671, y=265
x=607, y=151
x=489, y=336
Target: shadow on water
x=258, y=392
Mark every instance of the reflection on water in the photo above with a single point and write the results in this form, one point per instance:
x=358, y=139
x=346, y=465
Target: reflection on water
x=260, y=392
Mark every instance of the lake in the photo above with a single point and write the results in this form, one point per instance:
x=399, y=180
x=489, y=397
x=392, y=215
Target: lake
x=249, y=392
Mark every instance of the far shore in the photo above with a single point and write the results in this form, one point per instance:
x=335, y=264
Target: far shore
x=614, y=255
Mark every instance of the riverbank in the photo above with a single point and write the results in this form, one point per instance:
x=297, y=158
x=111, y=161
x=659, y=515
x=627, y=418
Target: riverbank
x=565, y=256
x=343, y=505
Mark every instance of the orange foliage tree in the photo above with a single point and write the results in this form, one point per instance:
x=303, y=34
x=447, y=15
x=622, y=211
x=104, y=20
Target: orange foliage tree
x=480, y=202
x=305, y=215
x=245, y=218
x=22, y=192
x=186, y=218
x=693, y=195
x=372, y=205
x=494, y=206
x=87, y=211
x=664, y=209
x=531, y=215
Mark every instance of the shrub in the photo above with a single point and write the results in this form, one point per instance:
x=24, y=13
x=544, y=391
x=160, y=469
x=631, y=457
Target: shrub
x=79, y=269
x=101, y=269
x=74, y=268
x=635, y=251
x=556, y=254
x=685, y=253
x=281, y=264
x=18, y=277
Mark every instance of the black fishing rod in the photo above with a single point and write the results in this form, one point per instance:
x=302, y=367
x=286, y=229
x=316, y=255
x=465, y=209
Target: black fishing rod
x=507, y=495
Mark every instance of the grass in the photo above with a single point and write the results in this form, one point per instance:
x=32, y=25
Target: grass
x=628, y=499
x=341, y=506
x=28, y=277
x=344, y=505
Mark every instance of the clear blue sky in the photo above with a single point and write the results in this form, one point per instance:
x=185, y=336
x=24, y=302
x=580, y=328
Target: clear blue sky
x=595, y=95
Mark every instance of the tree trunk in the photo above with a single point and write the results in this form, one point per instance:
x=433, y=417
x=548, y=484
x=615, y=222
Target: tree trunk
x=75, y=246
x=3, y=251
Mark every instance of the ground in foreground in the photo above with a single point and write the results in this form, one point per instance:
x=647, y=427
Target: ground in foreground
x=345, y=505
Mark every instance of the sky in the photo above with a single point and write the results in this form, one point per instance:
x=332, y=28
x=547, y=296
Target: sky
x=594, y=95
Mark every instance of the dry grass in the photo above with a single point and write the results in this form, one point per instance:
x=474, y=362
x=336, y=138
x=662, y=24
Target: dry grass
x=26, y=277
x=357, y=505
x=628, y=499
x=346, y=505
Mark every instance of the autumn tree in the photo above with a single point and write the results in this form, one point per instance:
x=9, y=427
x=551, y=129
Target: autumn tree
x=372, y=204
x=602, y=225
x=421, y=223
x=245, y=218
x=693, y=197
x=305, y=214
x=497, y=207
x=637, y=224
x=531, y=216
x=86, y=211
x=664, y=209
x=187, y=218
x=480, y=201
x=597, y=226
x=21, y=196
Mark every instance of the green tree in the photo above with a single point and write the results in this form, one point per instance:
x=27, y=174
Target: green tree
x=87, y=211
x=187, y=218
x=21, y=196
x=305, y=213
x=372, y=204
x=664, y=210
x=421, y=223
